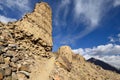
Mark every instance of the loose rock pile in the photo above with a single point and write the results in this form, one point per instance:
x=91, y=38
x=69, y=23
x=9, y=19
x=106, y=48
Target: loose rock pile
x=13, y=57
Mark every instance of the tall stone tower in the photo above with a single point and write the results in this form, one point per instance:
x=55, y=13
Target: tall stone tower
x=24, y=42
x=38, y=25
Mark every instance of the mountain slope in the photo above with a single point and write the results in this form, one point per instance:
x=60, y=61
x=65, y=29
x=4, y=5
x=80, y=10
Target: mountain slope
x=103, y=64
x=77, y=68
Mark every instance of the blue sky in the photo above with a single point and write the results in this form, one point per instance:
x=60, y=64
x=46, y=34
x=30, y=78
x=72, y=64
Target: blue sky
x=90, y=27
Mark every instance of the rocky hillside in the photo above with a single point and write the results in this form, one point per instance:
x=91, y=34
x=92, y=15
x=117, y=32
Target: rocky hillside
x=103, y=64
x=26, y=52
x=70, y=66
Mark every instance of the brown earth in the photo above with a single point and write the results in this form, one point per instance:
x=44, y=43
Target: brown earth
x=26, y=52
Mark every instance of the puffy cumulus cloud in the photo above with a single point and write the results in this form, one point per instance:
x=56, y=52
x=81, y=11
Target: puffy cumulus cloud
x=116, y=3
x=109, y=53
x=20, y=5
x=6, y=19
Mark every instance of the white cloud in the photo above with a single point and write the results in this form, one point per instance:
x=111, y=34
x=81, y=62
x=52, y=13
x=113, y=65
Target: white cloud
x=109, y=53
x=90, y=9
x=89, y=12
x=86, y=12
x=116, y=3
x=114, y=38
x=20, y=5
x=6, y=19
x=111, y=39
x=62, y=7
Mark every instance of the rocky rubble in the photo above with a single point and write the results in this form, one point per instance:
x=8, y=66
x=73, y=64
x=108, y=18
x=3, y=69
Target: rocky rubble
x=14, y=59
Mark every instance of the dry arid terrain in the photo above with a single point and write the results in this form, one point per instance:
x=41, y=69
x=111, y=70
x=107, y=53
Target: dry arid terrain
x=26, y=52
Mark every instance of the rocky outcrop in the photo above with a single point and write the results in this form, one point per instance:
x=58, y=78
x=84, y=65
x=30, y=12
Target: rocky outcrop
x=65, y=57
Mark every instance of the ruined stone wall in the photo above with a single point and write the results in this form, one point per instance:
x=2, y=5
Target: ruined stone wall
x=23, y=40
x=39, y=25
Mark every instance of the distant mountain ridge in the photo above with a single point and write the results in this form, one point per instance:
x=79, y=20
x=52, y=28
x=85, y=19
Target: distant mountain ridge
x=103, y=64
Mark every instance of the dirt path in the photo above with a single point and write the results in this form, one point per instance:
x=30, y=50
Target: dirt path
x=42, y=69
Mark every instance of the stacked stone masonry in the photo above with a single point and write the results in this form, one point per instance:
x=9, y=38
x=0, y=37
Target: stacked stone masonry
x=22, y=40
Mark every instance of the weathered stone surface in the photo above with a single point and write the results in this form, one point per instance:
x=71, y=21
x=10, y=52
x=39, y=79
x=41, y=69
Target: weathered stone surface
x=38, y=24
x=8, y=78
x=10, y=53
x=2, y=61
x=21, y=42
x=77, y=57
x=65, y=51
x=1, y=76
x=8, y=71
x=14, y=76
x=7, y=60
x=14, y=59
x=14, y=66
x=21, y=76
x=65, y=57
x=25, y=68
x=27, y=74
x=4, y=65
